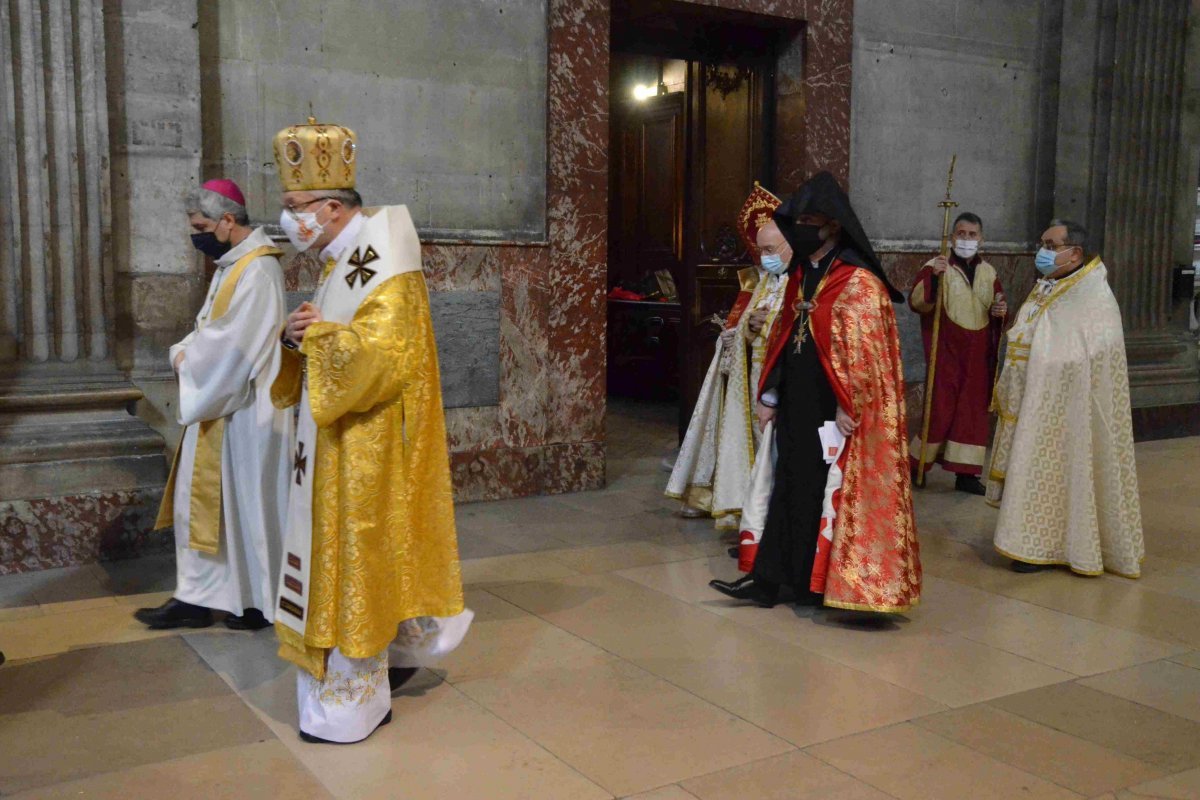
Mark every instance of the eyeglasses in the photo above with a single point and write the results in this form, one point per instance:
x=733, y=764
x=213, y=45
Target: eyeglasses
x=297, y=207
x=1053, y=246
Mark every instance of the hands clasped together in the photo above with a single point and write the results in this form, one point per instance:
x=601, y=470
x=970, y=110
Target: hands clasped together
x=299, y=320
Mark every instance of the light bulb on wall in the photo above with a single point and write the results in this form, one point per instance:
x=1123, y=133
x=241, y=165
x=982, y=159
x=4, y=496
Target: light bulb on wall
x=643, y=92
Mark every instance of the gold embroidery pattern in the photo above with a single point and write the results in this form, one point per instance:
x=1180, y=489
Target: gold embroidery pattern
x=1063, y=470
x=384, y=544
x=342, y=689
x=875, y=564
x=755, y=213
x=289, y=381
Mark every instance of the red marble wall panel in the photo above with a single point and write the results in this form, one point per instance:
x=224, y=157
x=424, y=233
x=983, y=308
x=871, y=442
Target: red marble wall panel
x=525, y=304
x=79, y=529
x=474, y=268
x=519, y=472
x=577, y=209
x=813, y=87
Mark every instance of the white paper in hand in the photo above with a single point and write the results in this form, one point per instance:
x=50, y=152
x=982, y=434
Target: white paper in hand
x=832, y=441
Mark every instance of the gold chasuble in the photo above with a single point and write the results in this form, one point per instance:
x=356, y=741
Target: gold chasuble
x=204, y=520
x=372, y=465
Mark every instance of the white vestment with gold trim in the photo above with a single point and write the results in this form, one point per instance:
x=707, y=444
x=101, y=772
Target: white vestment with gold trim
x=227, y=369
x=1063, y=471
x=712, y=471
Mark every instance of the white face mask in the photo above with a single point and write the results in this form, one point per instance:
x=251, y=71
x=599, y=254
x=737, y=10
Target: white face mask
x=301, y=227
x=966, y=248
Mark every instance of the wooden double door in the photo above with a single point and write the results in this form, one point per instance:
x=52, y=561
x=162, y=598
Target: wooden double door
x=682, y=163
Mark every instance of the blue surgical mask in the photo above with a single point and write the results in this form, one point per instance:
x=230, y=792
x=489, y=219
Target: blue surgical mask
x=773, y=264
x=1044, y=261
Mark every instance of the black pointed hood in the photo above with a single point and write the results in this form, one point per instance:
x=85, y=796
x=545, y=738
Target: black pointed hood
x=821, y=194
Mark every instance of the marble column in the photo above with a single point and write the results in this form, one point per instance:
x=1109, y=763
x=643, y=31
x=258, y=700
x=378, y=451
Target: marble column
x=79, y=474
x=1127, y=170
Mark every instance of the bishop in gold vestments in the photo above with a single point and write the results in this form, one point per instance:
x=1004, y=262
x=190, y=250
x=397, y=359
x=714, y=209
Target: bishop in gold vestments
x=370, y=577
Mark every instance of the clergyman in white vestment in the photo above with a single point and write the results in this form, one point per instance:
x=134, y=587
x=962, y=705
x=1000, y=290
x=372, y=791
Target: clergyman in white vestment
x=228, y=488
x=1063, y=472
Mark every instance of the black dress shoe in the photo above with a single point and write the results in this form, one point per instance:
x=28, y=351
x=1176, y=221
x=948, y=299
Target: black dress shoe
x=398, y=676
x=174, y=614
x=810, y=599
x=308, y=737
x=1025, y=568
x=969, y=484
x=762, y=594
x=251, y=620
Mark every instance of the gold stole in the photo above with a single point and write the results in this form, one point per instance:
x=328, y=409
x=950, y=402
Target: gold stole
x=204, y=521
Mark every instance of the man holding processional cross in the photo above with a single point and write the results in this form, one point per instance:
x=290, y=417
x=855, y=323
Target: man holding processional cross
x=962, y=307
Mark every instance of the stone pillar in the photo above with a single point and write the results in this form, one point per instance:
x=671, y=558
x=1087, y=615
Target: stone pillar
x=79, y=475
x=1126, y=169
x=154, y=104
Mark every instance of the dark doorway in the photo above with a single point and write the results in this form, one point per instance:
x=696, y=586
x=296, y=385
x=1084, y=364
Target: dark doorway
x=692, y=121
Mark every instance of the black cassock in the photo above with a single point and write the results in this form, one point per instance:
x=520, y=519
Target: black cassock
x=806, y=402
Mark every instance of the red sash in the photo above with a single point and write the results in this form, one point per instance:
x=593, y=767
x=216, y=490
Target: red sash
x=739, y=308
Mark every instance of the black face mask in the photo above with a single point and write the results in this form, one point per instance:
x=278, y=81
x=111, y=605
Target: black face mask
x=210, y=245
x=806, y=239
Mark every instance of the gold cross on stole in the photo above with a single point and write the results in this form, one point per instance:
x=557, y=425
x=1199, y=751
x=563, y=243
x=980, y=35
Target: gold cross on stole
x=359, y=261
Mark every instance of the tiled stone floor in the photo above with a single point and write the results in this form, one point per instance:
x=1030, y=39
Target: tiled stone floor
x=601, y=665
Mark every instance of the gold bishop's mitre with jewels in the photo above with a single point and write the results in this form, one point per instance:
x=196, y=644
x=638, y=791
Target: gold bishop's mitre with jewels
x=315, y=156
x=757, y=211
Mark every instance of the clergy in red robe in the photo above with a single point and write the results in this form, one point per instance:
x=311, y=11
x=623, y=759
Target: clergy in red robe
x=972, y=321
x=834, y=388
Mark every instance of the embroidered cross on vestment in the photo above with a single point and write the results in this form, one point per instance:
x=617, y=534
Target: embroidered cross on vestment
x=300, y=465
x=359, y=261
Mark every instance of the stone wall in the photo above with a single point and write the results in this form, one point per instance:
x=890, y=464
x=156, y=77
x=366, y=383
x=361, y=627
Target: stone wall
x=934, y=78
x=80, y=476
x=154, y=116
x=448, y=97
x=1067, y=108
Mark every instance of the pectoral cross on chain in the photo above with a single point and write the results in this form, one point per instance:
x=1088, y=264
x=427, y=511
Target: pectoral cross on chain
x=359, y=261
x=803, y=309
x=300, y=465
